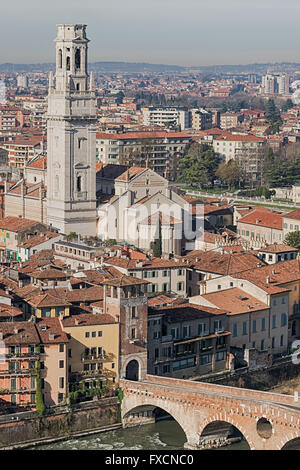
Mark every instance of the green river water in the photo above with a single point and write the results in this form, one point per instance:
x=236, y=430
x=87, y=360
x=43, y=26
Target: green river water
x=162, y=435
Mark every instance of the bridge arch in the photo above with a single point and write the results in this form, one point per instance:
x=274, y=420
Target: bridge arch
x=132, y=369
x=165, y=407
x=290, y=440
x=233, y=420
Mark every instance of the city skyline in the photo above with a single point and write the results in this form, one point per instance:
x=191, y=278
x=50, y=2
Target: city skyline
x=193, y=34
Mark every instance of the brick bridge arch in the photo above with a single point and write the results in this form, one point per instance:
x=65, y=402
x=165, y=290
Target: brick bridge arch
x=194, y=405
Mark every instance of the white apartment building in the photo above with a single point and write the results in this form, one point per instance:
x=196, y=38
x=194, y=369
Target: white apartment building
x=163, y=116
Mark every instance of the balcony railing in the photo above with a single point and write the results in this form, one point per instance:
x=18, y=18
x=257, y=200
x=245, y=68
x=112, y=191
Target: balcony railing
x=93, y=357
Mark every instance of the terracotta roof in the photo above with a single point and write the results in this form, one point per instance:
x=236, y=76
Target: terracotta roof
x=186, y=312
x=124, y=280
x=39, y=163
x=278, y=248
x=19, y=333
x=293, y=215
x=15, y=224
x=47, y=327
x=49, y=274
x=9, y=311
x=87, y=319
x=140, y=265
x=163, y=301
x=130, y=173
x=272, y=278
x=142, y=135
x=235, y=301
x=224, y=264
x=34, y=241
x=263, y=217
x=47, y=299
x=240, y=138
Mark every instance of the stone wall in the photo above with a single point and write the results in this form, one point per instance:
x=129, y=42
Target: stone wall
x=259, y=379
x=63, y=422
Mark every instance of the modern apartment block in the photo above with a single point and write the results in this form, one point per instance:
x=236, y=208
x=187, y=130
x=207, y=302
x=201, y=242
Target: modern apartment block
x=166, y=116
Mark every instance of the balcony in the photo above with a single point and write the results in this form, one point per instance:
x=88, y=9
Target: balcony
x=93, y=357
x=167, y=339
x=27, y=371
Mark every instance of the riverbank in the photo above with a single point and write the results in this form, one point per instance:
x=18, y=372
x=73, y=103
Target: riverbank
x=28, y=429
x=43, y=441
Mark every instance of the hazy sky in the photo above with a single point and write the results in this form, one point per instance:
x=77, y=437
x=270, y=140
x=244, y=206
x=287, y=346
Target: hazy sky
x=183, y=32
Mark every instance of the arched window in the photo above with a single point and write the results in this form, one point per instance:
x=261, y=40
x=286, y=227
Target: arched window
x=68, y=63
x=78, y=184
x=77, y=59
x=60, y=58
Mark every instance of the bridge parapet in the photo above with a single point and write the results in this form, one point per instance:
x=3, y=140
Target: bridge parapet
x=224, y=389
x=194, y=405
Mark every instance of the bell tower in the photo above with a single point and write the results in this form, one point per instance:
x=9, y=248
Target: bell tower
x=71, y=136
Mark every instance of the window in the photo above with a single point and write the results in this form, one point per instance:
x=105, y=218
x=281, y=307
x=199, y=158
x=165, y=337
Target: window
x=133, y=312
x=281, y=340
x=13, y=384
x=78, y=184
x=99, y=333
x=273, y=321
x=205, y=359
x=77, y=59
x=244, y=327
x=93, y=334
x=201, y=328
x=175, y=333
x=133, y=333
x=254, y=326
x=61, y=382
x=263, y=324
x=283, y=300
x=187, y=331
x=220, y=356
x=87, y=334
x=283, y=319
x=61, y=364
x=235, y=330
x=69, y=352
x=273, y=343
x=61, y=348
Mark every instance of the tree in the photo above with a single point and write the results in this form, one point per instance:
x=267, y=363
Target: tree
x=198, y=165
x=157, y=245
x=287, y=105
x=293, y=239
x=229, y=172
x=272, y=116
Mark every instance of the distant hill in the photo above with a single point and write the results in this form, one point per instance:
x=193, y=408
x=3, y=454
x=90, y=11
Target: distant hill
x=96, y=67
x=142, y=67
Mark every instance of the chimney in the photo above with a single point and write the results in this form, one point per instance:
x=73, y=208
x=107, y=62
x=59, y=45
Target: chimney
x=268, y=279
x=16, y=331
x=51, y=336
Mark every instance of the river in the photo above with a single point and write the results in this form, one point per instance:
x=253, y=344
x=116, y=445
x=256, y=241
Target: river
x=162, y=435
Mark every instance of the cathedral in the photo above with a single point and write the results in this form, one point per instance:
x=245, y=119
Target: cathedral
x=66, y=191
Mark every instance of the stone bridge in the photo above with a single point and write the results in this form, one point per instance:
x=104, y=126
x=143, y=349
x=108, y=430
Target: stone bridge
x=268, y=421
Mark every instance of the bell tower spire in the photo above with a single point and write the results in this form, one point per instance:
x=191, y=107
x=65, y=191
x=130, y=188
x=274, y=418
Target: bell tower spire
x=71, y=136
